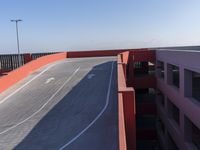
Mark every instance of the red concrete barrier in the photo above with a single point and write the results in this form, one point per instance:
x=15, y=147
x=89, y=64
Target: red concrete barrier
x=126, y=107
x=95, y=53
x=125, y=57
x=22, y=72
x=121, y=123
x=99, y=53
x=128, y=95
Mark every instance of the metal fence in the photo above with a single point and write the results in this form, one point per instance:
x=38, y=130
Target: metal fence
x=10, y=62
x=37, y=55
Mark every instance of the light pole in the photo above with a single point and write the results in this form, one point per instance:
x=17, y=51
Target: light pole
x=19, y=58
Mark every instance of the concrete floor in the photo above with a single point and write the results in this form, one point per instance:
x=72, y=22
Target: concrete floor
x=71, y=104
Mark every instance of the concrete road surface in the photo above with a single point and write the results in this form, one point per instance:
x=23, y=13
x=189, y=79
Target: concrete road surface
x=70, y=104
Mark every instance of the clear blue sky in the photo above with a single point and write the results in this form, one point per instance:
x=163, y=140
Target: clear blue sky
x=58, y=25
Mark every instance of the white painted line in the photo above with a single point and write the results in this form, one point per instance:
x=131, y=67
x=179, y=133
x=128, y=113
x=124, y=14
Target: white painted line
x=97, y=117
x=43, y=104
x=90, y=76
x=49, y=80
x=27, y=83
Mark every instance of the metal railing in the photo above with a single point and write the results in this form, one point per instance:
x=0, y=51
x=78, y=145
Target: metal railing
x=37, y=55
x=10, y=62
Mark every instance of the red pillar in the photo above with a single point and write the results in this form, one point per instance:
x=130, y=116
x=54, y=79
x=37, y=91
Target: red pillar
x=129, y=115
x=27, y=58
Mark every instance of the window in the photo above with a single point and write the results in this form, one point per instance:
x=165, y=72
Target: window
x=137, y=65
x=151, y=68
x=172, y=145
x=140, y=68
x=192, y=84
x=173, y=111
x=161, y=98
x=173, y=75
x=193, y=133
x=196, y=85
x=175, y=71
x=161, y=126
x=196, y=136
x=160, y=69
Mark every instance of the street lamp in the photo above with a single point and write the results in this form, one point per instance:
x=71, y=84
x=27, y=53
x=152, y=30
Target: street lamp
x=19, y=58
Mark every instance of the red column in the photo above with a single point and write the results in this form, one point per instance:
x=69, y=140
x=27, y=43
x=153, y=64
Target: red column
x=27, y=58
x=129, y=115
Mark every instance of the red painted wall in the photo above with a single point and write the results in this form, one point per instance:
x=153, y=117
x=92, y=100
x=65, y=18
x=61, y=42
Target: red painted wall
x=126, y=105
x=99, y=53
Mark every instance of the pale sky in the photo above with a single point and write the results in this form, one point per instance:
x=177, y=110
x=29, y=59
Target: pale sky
x=60, y=25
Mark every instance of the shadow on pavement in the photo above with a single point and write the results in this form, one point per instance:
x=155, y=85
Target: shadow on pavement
x=70, y=115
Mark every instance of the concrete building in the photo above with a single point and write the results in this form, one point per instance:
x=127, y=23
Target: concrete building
x=158, y=94
x=178, y=99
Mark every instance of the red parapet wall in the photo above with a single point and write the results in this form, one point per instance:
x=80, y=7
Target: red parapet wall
x=100, y=53
x=121, y=123
x=126, y=107
x=16, y=75
x=125, y=57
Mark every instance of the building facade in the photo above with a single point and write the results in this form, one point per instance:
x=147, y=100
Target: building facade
x=178, y=99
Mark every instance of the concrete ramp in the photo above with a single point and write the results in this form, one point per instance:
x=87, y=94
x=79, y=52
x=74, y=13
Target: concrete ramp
x=70, y=104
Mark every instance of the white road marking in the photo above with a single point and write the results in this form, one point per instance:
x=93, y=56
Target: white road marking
x=49, y=80
x=43, y=104
x=97, y=117
x=27, y=83
x=90, y=76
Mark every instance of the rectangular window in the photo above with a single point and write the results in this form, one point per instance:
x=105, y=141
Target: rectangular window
x=196, y=136
x=161, y=126
x=137, y=65
x=151, y=68
x=173, y=111
x=192, y=84
x=161, y=98
x=140, y=68
x=175, y=71
x=196, y=85
x=173, y=75
x=192, y=133
x=160, y=69
x=172, y=144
